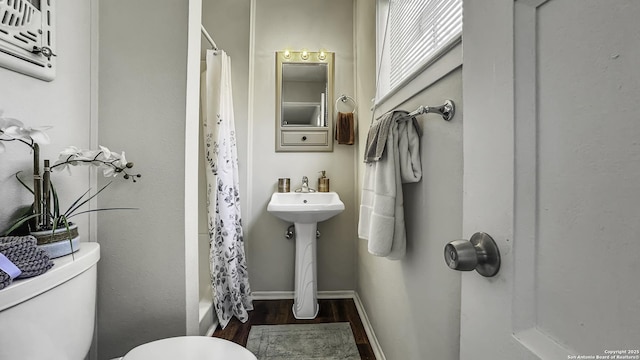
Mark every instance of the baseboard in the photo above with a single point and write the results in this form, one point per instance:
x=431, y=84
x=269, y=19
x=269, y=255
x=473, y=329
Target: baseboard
x=271, y=295
x=278, y=295
x=212, y=329
x=368, y=328
x=208, y=320
x=341, y=294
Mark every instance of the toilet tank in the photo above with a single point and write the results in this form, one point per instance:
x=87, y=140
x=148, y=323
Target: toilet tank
x=51, y=316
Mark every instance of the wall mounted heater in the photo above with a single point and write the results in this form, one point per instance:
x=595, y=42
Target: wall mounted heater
x=27, y=37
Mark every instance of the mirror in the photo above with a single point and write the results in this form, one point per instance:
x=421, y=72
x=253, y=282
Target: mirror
x=304, y=93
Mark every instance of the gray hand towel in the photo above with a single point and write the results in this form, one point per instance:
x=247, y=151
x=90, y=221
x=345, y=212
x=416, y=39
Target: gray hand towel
x=378, y=134
x=23, y=252
x=5, y=280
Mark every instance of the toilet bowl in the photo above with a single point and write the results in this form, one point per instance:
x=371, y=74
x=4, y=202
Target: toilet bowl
x=51, y=317
x=190, y=348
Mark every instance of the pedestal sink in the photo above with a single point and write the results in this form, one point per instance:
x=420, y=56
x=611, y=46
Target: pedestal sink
x=305, y=210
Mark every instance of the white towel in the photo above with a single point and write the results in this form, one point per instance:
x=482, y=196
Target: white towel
x=381, y=209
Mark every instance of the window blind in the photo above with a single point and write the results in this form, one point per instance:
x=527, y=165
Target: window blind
x=417, y=31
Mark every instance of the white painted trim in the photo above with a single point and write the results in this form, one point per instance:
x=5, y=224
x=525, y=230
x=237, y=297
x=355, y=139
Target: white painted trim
x=368, y=328
x=208, y=321
x=191, y=161
x=525, y=168
x=93, y=143
x=279, y=295
x=271, y=295
x=93, y=113
x=339, y=294
x=524, y=309
x=542, y=344
x=212, y=329
x=356, y=154
x=250, y=114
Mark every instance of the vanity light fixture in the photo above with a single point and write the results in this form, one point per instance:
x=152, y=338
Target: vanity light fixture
x=305, y=55
x=322, y=55
x=287, y=54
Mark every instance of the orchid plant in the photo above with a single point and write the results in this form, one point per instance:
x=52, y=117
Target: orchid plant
x=109, y=162
x=14, y=130
x=45, y=213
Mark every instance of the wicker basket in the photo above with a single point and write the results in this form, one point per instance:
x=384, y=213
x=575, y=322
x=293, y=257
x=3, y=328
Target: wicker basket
x=60, y=234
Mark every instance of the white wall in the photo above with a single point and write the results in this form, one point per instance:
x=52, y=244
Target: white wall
x=294, y=25
x=143, y=86
x=64, y=103
x=414, y=304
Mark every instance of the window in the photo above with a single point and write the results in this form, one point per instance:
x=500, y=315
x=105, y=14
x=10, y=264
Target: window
x=411, y=35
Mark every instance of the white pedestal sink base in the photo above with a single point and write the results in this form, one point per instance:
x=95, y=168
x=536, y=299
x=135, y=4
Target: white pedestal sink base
x=305, y=302
x=305, y=210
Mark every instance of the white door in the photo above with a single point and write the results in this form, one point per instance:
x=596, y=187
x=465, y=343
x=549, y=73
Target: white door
x=552, y=173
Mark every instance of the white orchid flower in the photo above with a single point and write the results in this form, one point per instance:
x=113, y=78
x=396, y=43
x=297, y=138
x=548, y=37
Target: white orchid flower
x=108, y=171
x=8, y=122
x=111, y=162
x=119, y=163
x=68, y=151
x=19, y=131
x=90, y=155
x=66, y=155
x=106, y=152
x=14, y=129
x=5, y=122
x=97, y=157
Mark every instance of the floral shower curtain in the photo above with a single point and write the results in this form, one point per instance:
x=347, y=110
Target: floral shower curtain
x=228, y=267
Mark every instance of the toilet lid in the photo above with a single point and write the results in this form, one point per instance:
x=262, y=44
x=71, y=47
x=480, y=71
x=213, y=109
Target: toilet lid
x=190, y=348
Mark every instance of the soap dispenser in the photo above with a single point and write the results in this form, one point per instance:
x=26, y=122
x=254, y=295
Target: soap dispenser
x=323, y=182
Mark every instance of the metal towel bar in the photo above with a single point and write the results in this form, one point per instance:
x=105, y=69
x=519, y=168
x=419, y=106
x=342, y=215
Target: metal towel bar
x=446, y=111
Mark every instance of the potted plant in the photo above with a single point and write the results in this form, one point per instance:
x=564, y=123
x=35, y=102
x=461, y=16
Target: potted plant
x=46, y=219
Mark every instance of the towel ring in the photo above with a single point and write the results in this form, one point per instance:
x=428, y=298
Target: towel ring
x=344, y=98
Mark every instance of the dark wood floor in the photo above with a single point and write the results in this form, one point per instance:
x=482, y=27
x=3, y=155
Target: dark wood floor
x=278, y=312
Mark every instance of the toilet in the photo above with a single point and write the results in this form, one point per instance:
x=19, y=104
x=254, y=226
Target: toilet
x=190, y=347
x=51, y=317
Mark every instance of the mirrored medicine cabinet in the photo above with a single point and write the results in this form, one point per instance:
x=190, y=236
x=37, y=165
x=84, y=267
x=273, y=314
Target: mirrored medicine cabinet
x=304, y=101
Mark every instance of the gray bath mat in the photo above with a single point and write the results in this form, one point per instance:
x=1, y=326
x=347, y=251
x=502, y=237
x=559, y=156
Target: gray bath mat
x=333, y=341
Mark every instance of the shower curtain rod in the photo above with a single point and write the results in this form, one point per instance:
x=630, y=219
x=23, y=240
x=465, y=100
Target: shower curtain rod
x=208, y=37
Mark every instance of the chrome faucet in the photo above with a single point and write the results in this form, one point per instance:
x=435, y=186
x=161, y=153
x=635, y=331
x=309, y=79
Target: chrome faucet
x=305, y=186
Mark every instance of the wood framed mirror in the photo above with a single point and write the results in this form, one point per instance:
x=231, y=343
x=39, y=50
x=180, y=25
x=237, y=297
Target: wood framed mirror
x=304, y=101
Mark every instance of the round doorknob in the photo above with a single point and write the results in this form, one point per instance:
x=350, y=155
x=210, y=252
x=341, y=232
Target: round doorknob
x=480, y=253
